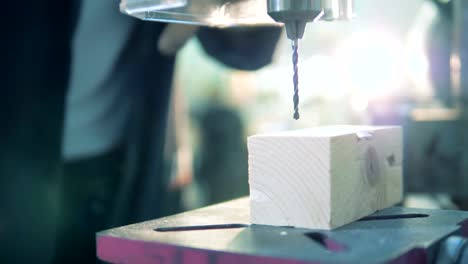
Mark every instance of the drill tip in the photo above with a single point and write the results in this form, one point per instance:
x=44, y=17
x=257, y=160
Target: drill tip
x=296, y=115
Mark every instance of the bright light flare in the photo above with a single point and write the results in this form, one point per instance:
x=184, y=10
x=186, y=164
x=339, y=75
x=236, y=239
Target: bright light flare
x=320, y=77
x=359, y=103
x=373, y=62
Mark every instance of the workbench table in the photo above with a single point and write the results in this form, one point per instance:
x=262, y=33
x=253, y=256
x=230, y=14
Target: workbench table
x=222, y=234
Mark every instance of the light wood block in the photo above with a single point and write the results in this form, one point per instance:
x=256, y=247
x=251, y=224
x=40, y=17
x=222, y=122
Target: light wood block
x=326, y=177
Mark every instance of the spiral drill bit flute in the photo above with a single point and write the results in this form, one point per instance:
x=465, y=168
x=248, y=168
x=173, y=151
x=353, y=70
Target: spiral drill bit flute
x=295, y=60
x=295, y=14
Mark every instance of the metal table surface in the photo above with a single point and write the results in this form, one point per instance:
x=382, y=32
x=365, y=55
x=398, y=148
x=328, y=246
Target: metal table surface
x=222, y=234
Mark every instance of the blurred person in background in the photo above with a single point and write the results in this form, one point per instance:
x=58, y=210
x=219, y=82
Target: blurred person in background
x=83, y=109
x=221, y=161
x=439, y=51
x=214, y=108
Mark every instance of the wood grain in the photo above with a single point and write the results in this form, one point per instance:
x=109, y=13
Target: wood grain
x=326, y=177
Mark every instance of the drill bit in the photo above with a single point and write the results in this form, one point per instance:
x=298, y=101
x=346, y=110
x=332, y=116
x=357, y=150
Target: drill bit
x=295, y=61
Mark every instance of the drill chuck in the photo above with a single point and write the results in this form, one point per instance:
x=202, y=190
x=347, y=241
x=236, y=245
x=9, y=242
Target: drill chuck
x=295, y=14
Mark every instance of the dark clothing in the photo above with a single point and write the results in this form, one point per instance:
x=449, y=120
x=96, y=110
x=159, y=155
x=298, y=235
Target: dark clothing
x=112, y=179
x=221, y=163
x=89, y=189
x=35, y=66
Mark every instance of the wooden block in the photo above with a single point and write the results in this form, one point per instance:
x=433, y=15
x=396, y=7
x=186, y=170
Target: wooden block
x=325, y=177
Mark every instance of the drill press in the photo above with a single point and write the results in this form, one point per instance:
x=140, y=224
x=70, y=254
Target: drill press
x=294, y=14
x=223, y=234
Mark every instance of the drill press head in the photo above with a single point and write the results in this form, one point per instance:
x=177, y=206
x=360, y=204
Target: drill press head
x=295, y=14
